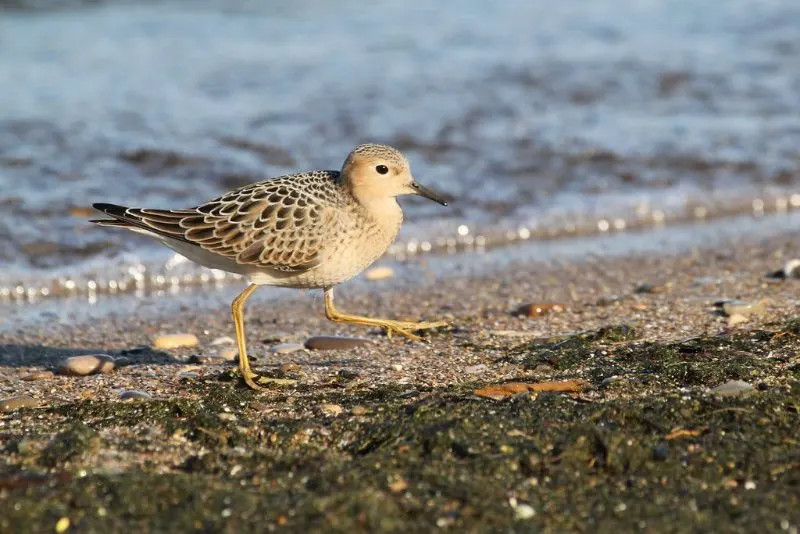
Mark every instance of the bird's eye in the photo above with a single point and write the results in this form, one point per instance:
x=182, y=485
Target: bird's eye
x=382, y=169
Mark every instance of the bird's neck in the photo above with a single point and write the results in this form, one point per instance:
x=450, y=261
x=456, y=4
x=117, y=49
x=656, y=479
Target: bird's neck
x=384, y=211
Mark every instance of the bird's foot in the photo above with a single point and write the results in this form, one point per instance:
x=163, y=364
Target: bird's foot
x=407, y=328
x=257, y=382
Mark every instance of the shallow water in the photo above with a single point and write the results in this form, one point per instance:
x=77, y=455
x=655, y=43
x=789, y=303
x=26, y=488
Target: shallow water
x=540, y=118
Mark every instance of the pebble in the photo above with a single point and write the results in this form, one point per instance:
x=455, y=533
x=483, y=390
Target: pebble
x=334, y=342
x=475, y=369
x=736, y=319
x=744, y=309
x=524, y=511
x=21, y=401
x=224, y=340
x=205, y=359
x=332, y=409
x=62, y=525
x=230, y=354
x=290, y=368
x=188, y=375
x=87, y=364
x=360, y=410
x=660, y=453
x=379, y=273
x=537, y=309
x=133, y=394
x=173, y=341
x=653, y=289
x=37, y=375
x=732, y=388
x=287, y=348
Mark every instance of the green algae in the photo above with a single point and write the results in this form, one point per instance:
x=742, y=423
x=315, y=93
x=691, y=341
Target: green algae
x=652, y=451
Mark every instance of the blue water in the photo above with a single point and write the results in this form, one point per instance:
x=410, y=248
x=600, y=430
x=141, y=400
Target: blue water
x=531, y=113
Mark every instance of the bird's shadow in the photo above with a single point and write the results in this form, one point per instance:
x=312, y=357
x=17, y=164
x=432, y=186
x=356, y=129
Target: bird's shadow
x=12, y=355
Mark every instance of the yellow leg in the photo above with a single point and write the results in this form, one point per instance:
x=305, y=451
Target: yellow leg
x=250, y=378
x=404, y=328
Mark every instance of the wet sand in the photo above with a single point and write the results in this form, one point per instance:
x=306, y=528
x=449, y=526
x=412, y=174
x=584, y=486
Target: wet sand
x=390, y=436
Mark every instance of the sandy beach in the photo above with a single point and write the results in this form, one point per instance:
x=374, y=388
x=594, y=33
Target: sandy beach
x=392, y=435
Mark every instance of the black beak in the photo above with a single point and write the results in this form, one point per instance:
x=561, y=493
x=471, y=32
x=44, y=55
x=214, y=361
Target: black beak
x=427, y=193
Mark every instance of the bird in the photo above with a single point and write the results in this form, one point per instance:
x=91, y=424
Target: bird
x=308, y=230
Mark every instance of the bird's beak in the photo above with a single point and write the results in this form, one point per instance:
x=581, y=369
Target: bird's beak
x=427, y=193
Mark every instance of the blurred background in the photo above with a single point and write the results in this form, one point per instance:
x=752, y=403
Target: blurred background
x=543, y=119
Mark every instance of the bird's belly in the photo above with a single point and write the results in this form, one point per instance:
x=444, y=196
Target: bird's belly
x=344, y=259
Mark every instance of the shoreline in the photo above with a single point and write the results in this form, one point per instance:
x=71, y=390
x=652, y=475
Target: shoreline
x=391, y=433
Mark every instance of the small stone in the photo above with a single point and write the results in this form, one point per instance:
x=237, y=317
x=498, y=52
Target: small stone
x=653, y=289
x=736, y=319
x=334, y=342
x=286, y=348
x=745, y=309
x=524, y=511
x=174, y=341
x=230, y=354
x=205, y=359
x=539, y=309
x=379, y=273
x=476, y=369
x=660, y=453
x=122, y=361
x=37, y=375
x=397, y=486
x=332, y=409
x=610, y=380
x=224, y=340
x=359, y=410
x=347, y=374
x=290, y=368
x=21, y=401
x=225, y=416
x=88, y=364
x=133, y=394
x=397, y=367
x=188, y=375
x=732, y=388
x=62, y=525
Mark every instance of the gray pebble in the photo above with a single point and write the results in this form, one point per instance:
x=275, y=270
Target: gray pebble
x=88, y=364
x=334, y=342
x=475, y=369
x=133, y=394
x=188, y=375
x=287, y=348
x=21, y=401
x=732, y=388
x=660, y=453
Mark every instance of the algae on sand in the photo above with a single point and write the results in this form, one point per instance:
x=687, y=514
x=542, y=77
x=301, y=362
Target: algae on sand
x=652, y=451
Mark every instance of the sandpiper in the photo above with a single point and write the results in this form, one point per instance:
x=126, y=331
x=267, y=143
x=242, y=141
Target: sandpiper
x=313, y=229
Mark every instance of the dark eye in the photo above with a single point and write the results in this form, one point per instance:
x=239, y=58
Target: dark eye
x=382, y=169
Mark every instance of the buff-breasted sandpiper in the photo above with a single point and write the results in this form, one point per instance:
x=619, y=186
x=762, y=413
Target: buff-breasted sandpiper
x=313, y=229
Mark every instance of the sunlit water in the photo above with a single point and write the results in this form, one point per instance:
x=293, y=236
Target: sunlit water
x=543, y=119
